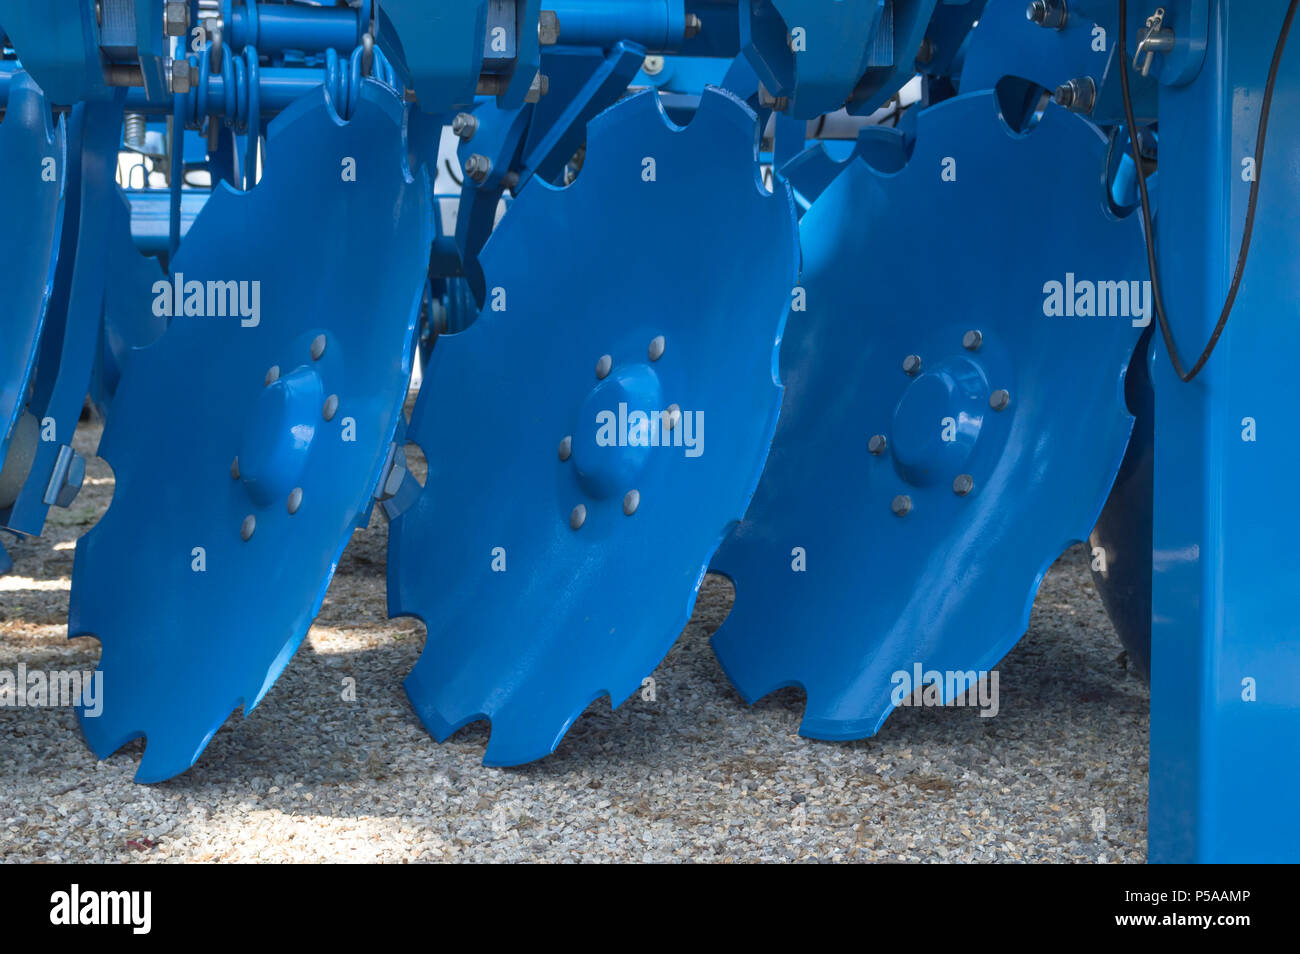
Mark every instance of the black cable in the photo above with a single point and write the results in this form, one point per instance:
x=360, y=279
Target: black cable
x=451, y=172
x=1265, y=105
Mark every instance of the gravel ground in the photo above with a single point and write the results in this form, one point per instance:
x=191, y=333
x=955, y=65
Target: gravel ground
x=1059, y=775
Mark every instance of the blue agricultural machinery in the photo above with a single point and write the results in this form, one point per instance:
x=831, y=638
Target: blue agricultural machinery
x=865, y=304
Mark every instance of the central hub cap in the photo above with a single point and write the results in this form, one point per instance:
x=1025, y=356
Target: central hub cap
x=278, y=433
x=938, y=420
x=617, y=427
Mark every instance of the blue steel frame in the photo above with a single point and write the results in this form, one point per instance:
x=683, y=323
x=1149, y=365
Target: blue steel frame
x=1225, y=725
x=1225, y=679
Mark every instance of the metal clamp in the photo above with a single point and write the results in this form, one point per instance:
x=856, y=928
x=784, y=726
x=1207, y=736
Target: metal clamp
x=1152, y=39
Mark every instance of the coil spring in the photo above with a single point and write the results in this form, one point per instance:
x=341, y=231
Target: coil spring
x=240, y=92
x=343, y=77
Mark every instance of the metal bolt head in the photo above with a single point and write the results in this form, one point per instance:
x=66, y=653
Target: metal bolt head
x=578, y=516
x=693, y=26
x=317, y=347
x=963, y=484
x=478, y=167
x=176, y=18
x=272, y=375
x=548, y=28
x=672, y=416
x=631, y=500
x=877, y=444
x=901, y=505
x=1078, y=95
x=1047, y=13
x=331, y=407
x=180, y=78
x=247, y=528
x=999, y=400
x=656, y=349
x=465, y=125
x=234, y=469
x=972, y=340
x=566, y=448
x=653, y=65
x=603, y=366
x=912, y=364
x=295, y=500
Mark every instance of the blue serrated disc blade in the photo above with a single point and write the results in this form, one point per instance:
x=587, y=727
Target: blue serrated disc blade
x=223, y=420
x=1122, y=568
x=129, y=321
x=32, y=166
x=816, y=167
x=835, y=591
x=1007, y=43
x=667, y=259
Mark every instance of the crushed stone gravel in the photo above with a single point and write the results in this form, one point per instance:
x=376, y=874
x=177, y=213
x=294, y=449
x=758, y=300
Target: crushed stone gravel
x=691, y=775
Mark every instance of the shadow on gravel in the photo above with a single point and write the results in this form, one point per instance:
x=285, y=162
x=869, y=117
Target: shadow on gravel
x=1059, y=774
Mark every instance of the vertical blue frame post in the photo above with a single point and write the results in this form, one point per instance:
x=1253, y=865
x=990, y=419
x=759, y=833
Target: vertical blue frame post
x=1225, y=681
